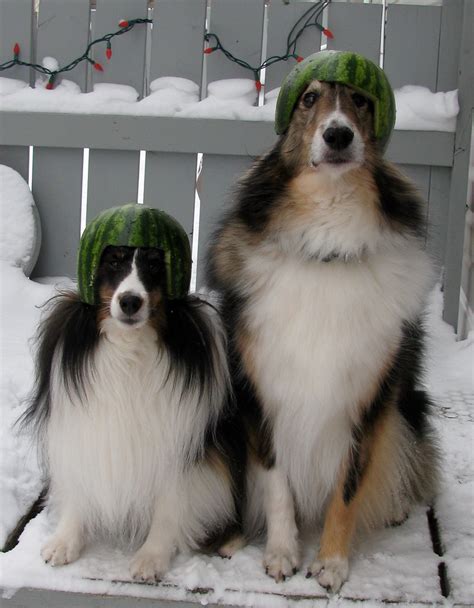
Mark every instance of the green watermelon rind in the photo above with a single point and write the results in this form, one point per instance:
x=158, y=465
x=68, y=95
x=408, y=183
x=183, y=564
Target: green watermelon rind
x=135, y=225
x=346, y=68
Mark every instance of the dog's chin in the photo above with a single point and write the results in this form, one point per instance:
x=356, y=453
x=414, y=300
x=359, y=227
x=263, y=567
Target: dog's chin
x=334, y=164
x=129, y=323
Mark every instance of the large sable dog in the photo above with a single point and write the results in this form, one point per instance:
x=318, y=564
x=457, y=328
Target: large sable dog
x=323, y=277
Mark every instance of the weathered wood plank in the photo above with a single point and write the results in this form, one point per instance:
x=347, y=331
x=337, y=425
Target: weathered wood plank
x=170, y=184
x=207, y=135
x=178, y=39
x=411, y=45
x=113, y=179
x=127, y=65
x=63, y=33
x=57, y=187
x=356, y=27
x=281, y=18
x=16, y=20
x=239, y=26
x=16, y=157
x=217, y=179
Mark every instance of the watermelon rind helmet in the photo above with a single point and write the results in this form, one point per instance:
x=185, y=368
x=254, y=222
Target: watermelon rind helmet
x=343, y=67
x=134, y=225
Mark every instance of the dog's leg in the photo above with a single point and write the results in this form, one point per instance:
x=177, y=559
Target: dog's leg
x=282, y=556
x=67, y=542
x=346, y=508
x=152, y=560
x=331, y=567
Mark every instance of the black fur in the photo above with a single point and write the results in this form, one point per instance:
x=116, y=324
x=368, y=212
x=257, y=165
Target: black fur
x=69, y=328
x=188, y=338
x=399, y=199
x=261, y=188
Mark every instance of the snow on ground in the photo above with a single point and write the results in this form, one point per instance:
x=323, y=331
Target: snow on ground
x=417, y=107
x=396, y=564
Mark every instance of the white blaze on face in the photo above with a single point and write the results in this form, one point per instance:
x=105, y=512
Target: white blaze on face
x=322, y=153
x=131, y=285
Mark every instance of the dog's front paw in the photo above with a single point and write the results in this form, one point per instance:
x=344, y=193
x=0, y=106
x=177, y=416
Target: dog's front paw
x=149, y=566
x=59, y=551
x=330, y=572
x=230, y=548
x=281, y=562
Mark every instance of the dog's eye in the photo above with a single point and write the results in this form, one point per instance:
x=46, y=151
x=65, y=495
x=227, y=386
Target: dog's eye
x=114, y=264
x=309, y=99
x=359, y=100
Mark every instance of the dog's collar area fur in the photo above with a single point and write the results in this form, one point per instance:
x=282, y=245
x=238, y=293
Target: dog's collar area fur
x=332, y=257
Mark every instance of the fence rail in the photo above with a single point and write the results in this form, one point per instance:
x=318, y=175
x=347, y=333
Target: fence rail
x=418, y=47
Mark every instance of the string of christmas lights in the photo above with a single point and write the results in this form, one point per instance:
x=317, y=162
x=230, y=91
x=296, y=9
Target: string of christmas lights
x=309, y=19
x=124, y=25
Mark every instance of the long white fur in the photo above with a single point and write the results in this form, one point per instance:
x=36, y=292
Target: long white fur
x=120, y=457
x=323, y=331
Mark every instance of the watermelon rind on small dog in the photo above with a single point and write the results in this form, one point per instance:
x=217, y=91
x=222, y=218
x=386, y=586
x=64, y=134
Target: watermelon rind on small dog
x=342, y=67
x=134, y=225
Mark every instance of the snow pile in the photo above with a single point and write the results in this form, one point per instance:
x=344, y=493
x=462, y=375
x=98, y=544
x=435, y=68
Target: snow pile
x=395, y=564
x=20, y=230
x=420, y=109
x=19, y=314
x=417, y=107
x=450, y=364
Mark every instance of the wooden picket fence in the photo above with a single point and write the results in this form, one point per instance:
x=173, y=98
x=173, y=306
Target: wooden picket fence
x=422, y=45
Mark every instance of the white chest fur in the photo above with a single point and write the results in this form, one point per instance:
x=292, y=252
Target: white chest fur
x=129, y=438
x=323, y=334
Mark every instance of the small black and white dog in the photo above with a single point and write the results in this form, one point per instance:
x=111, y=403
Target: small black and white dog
x=130, y=405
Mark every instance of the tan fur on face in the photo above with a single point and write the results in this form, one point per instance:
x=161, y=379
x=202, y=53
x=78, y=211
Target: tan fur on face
x=157, y=313
x=306, y=121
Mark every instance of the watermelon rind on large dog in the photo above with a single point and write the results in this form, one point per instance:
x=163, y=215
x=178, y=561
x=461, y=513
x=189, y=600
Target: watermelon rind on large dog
x=134, y=225
x=343, y=67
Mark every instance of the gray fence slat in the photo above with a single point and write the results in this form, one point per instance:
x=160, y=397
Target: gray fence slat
x=178, y=39
x=57, y=186
x=281, y=18
x=112, y=180
x=127, y=65
x=16, y=157
x=15, y=26
x=239, y=25
x=170, y=184
x=449, y=45
x=63, y=33
x=438, y=213
x=217, y=179
x=356, y=27
x=411, y=45
x=459, y=182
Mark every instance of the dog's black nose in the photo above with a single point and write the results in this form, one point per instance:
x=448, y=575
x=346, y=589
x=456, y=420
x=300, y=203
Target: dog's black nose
x=130, y=303
x=338, y=138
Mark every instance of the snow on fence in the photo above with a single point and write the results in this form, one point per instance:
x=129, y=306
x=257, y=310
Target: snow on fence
x=418, y=45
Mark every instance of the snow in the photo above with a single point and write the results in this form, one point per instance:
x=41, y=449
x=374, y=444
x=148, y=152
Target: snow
x=20, y=482
x=20, y=230
x=50, y=63
x=395, y=564
x=417, y=107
